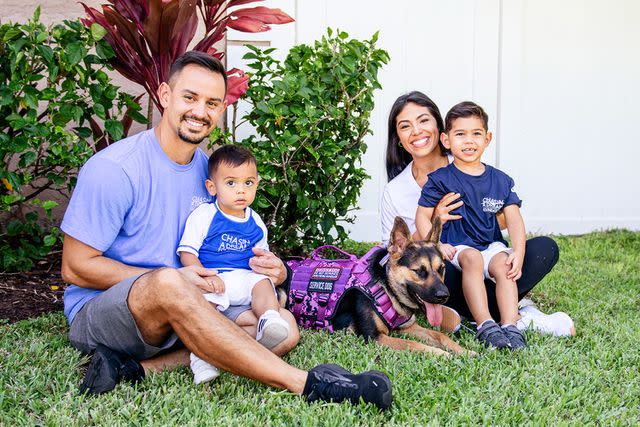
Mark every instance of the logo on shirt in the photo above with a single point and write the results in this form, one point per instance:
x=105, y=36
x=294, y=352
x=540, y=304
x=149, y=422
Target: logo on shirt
x=491, y=205
x=230, y=242
x=198, y=200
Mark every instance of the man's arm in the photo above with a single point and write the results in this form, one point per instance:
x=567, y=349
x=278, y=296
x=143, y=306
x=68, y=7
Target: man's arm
x=515, y=226
x=86, y=267
x=265, y=262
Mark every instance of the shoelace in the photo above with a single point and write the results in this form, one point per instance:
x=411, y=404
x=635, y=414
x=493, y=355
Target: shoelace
x=335, y=388
x=489, y=332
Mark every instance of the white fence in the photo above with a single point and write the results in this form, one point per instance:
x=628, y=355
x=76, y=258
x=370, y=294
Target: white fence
x=559, y=79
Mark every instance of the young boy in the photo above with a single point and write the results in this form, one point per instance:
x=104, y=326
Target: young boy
x=220, y=235
x=474, y=243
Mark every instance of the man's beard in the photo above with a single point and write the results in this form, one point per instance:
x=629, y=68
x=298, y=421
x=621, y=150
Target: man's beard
x=192, y=139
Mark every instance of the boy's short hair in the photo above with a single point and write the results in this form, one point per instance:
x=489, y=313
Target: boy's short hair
x=201, y=59
x=231, y=155
x=463, y=110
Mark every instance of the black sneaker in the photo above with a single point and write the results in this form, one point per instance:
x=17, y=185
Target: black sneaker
x=492, y=335
x=108, y=368
x=332, y=383
x=515, y=336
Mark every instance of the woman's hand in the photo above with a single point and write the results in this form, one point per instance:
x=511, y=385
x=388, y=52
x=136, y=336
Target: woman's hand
x=445, y=206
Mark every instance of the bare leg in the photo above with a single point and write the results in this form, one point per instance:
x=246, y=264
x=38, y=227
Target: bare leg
x=506, y=290
x=162, y=301
x=473, y=284
x=249, y=322
x=263, y=298
x=166, y=361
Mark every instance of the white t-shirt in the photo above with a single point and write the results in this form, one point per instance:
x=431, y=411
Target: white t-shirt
x=400, y=198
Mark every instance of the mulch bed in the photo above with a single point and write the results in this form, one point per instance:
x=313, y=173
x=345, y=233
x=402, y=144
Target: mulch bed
x=26, y=295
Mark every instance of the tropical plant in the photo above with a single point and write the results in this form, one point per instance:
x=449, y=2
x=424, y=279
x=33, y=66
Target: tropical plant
x=311, y=113
x=57, y=106
x=148, y=35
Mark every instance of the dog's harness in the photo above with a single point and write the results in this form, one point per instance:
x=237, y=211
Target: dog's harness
x=318, y=285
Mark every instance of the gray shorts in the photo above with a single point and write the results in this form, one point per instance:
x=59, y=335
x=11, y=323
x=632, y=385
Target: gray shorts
x=234, y=311
x=106, y=320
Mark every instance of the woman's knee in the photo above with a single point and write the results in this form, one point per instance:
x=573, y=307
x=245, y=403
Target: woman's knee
x=542, y=250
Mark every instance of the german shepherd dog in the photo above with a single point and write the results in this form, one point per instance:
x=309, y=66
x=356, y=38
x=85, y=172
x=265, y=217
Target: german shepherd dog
x=414, y=281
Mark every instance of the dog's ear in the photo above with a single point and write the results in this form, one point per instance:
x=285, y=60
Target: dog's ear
x=400, y=236
x=436, y=231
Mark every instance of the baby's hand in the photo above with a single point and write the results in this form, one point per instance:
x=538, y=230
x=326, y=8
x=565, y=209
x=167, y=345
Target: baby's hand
x=447, y=251
x=515, y=261
x=217, y=284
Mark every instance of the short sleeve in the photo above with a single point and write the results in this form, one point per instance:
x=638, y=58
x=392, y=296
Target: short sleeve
x=264, y=242
x=512, y=197
x=388, y=213
x=431, y=193
x=196, y=228
x=99, y=205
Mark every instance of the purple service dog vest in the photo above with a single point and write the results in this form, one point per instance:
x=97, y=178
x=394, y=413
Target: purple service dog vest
x=318, y=284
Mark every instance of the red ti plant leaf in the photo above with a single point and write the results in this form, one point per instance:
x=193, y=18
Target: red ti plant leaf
x=237, y=85
x=148, y=35
x=263, y=14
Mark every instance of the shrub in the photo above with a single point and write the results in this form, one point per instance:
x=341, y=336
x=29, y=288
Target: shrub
x=51, y=86
x=311, y=114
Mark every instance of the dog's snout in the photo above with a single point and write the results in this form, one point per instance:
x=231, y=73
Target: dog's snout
x=442, y=293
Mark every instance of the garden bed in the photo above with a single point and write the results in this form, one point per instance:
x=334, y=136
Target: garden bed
x=25, y=295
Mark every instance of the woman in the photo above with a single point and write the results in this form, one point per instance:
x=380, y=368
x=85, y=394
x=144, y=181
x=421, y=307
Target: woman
x=414, y=150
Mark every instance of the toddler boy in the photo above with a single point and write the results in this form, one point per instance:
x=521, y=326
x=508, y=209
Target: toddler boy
x=221, y=235
x=474, y=243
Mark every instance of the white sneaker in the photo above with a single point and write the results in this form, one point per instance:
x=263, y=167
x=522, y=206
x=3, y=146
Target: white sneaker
x=558, y=324
x=202, y=371
x=272, y=329
x=525, y=302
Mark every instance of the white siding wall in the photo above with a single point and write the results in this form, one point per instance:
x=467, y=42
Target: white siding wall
x=559, y=80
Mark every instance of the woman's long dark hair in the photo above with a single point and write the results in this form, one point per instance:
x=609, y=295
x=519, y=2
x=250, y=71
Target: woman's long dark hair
x=397, y=157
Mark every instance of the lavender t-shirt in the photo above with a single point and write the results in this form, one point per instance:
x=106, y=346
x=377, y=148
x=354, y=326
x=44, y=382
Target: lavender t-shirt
x=131, y=203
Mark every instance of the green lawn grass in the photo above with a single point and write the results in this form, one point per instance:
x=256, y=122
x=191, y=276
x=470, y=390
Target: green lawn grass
x=593, y=378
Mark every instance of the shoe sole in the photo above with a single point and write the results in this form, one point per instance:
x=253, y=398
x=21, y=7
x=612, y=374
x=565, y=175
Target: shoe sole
x=272, y=335
x=206, y=378
x=99, y=377
x=451, y=320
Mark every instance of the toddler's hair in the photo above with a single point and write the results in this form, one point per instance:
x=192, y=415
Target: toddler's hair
x=463, y=110
x=231, y=155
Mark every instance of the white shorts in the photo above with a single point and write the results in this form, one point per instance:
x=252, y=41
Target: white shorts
x=238, y=285
x=493, y=249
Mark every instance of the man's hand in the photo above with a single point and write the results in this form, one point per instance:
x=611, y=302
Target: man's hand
x=265, y=262
x=203, y=278
x=515, y=261
x=447, y=251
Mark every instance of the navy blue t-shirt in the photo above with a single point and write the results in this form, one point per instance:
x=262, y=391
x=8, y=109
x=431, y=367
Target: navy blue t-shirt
x=483, y=196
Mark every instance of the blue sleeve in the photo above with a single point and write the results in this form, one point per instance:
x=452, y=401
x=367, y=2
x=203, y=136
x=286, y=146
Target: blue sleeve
x=99, y=204
x=512, y=198
x=431, y=193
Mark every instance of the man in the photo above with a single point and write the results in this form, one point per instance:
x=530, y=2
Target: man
x=130, y=304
